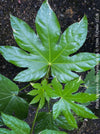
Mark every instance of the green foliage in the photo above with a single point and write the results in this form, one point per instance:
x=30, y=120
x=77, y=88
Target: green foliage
x=51, y=132
x=43, y=54
x=45, y=121
x=5, y=131
x=92, y=82
x=17, y=126
x=1, y=122
x=48, y=51
x=67, y=100
x=40, y=92
x=61, y=122
x=9, y=100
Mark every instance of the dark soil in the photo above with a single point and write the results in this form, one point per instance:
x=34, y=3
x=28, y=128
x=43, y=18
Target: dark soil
x=68, y=12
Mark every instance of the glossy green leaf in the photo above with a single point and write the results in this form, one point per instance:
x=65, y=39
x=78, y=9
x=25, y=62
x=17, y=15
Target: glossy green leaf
x=9, y=100
x=40, y=92
x=52, y=132
x=44, y=121
x=62, y=123
x=67, y=101
x=92, y=82
x=1, y=122
x=17, y=126
x=6, y=131
x=48, y=51
x=48, y=29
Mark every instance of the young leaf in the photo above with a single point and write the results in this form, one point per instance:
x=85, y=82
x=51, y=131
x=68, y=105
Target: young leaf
x=48, y=49
x=92, y=82
x=68, y=99
x=52, y=132
x=45, y=121
x=17, y=126
x=40, y=92
x=9, y=100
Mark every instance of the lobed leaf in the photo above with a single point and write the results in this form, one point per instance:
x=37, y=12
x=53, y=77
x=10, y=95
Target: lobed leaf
x=41, y=93
x=48, y=49
x=67, y=100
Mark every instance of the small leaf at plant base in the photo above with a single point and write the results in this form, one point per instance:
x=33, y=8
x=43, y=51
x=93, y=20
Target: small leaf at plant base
x=92, y=81
x=1, y=122
x=6, y=131
x=40, y=92
x=52, y=132
x=67, y=101
x=61, y=122
x=49, y=50
x=45, y=121
x=16, y=125
x=9, y=100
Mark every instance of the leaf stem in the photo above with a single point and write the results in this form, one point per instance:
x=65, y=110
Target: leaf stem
x=34, y=119
x=84, y=86
x=48, y=73
x=24, y=87
x=48, y=106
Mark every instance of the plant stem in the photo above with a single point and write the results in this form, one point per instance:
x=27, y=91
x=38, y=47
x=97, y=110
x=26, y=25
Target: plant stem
x=34, y=119
x=49, y=106
x=24, y=87
x=48, y=73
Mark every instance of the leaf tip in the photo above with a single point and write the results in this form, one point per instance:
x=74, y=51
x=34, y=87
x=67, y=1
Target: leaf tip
x=46, y=1
x=11, y=17
x=31, y=103
x=32, y=84
x=3, y=115
x=85, y=17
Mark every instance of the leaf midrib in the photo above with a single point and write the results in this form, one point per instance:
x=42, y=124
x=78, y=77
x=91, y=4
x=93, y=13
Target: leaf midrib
x=74, y=62
x=59, y=54
x=49, y=42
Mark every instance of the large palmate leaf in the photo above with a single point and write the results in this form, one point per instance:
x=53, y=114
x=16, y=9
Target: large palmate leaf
x=9, y=100
x=67, y=100
x=92, y=82
x=40, y=92
x=17, y=126
x=48, y=50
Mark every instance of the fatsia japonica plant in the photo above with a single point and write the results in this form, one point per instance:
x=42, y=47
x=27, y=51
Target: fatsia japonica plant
x=47, y=53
